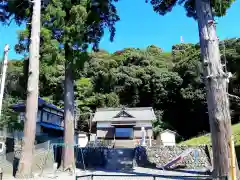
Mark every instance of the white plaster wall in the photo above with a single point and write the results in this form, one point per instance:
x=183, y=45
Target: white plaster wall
x=82, y=140
x=106, y=124
x=93, y=137
x=168, y=138
x=143, y=124
x=103, y=124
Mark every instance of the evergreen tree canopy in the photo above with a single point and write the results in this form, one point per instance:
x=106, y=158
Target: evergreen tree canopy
x=169, y=82
x=219, y=7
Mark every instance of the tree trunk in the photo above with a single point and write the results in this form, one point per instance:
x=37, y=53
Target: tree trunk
x=216, y=85
x=25, y=164
x=68, y=154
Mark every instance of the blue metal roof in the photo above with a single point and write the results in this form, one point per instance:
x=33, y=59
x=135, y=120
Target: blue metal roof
x=50, y=126
x=41, y=103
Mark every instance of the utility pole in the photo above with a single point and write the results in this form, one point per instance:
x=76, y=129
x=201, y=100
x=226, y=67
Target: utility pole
x=3, y=75
x=26, y=160
x=216, y=81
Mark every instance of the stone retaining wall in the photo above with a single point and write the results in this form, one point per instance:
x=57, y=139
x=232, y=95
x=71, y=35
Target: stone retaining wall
x=93, y=157
x=148, y=157
x=158, y=156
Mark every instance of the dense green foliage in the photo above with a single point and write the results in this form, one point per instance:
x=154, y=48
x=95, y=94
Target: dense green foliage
x=169, y=82
x=13, y=93
x=219, y=7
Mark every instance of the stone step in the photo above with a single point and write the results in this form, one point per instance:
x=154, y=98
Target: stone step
x=124, y=144
x=120, y=158
x=122, y=163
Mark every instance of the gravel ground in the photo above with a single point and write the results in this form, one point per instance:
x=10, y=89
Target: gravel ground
x=137, y=174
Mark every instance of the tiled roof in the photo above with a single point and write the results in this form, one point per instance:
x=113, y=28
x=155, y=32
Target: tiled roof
x=168, y=130
x=41, y=103
x=136, y=114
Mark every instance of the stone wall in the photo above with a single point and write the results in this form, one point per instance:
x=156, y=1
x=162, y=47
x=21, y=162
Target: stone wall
x=159, y=156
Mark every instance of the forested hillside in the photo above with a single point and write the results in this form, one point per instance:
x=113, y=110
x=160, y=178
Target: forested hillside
x=169, y=82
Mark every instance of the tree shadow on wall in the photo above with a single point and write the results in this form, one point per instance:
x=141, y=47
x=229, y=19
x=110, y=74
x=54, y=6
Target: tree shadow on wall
x=141, y=158
x=12, y=154
x=237, y=149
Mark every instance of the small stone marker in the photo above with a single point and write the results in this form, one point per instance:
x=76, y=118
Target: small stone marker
x=55, y=165
x=196, y=155
x=143, y=140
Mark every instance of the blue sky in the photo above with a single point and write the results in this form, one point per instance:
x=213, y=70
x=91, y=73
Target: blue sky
x=140, y=26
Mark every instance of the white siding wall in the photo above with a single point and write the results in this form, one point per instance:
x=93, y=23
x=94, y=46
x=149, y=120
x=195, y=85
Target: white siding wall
x=168, y=138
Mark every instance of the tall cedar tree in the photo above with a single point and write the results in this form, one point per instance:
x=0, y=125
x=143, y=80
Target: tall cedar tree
x=25, y=164
x=74, y=25
x=215, y=79
x=70, y=26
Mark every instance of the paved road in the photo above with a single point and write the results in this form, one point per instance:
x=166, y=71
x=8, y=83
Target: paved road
x=142, y=174
x=137, y=174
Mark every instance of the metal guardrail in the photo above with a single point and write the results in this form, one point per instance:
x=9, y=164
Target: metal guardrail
x=141, y=176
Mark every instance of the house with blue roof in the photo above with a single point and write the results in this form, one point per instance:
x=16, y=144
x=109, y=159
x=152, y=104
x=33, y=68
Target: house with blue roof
x=49, y=119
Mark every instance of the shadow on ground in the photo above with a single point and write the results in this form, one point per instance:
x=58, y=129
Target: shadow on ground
x=194, y=171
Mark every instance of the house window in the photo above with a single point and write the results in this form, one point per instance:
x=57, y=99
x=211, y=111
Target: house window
x=60, y=113
x=1, y=147
x=47, y=109
x=39, y=116
x=21, y=116
x=50, y=118
x=123, y=132
x=55, y=119
x=45, y=116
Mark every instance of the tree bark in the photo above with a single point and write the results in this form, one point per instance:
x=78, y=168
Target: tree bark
x=216, y=85
x=25, y=164
x=68, y=153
